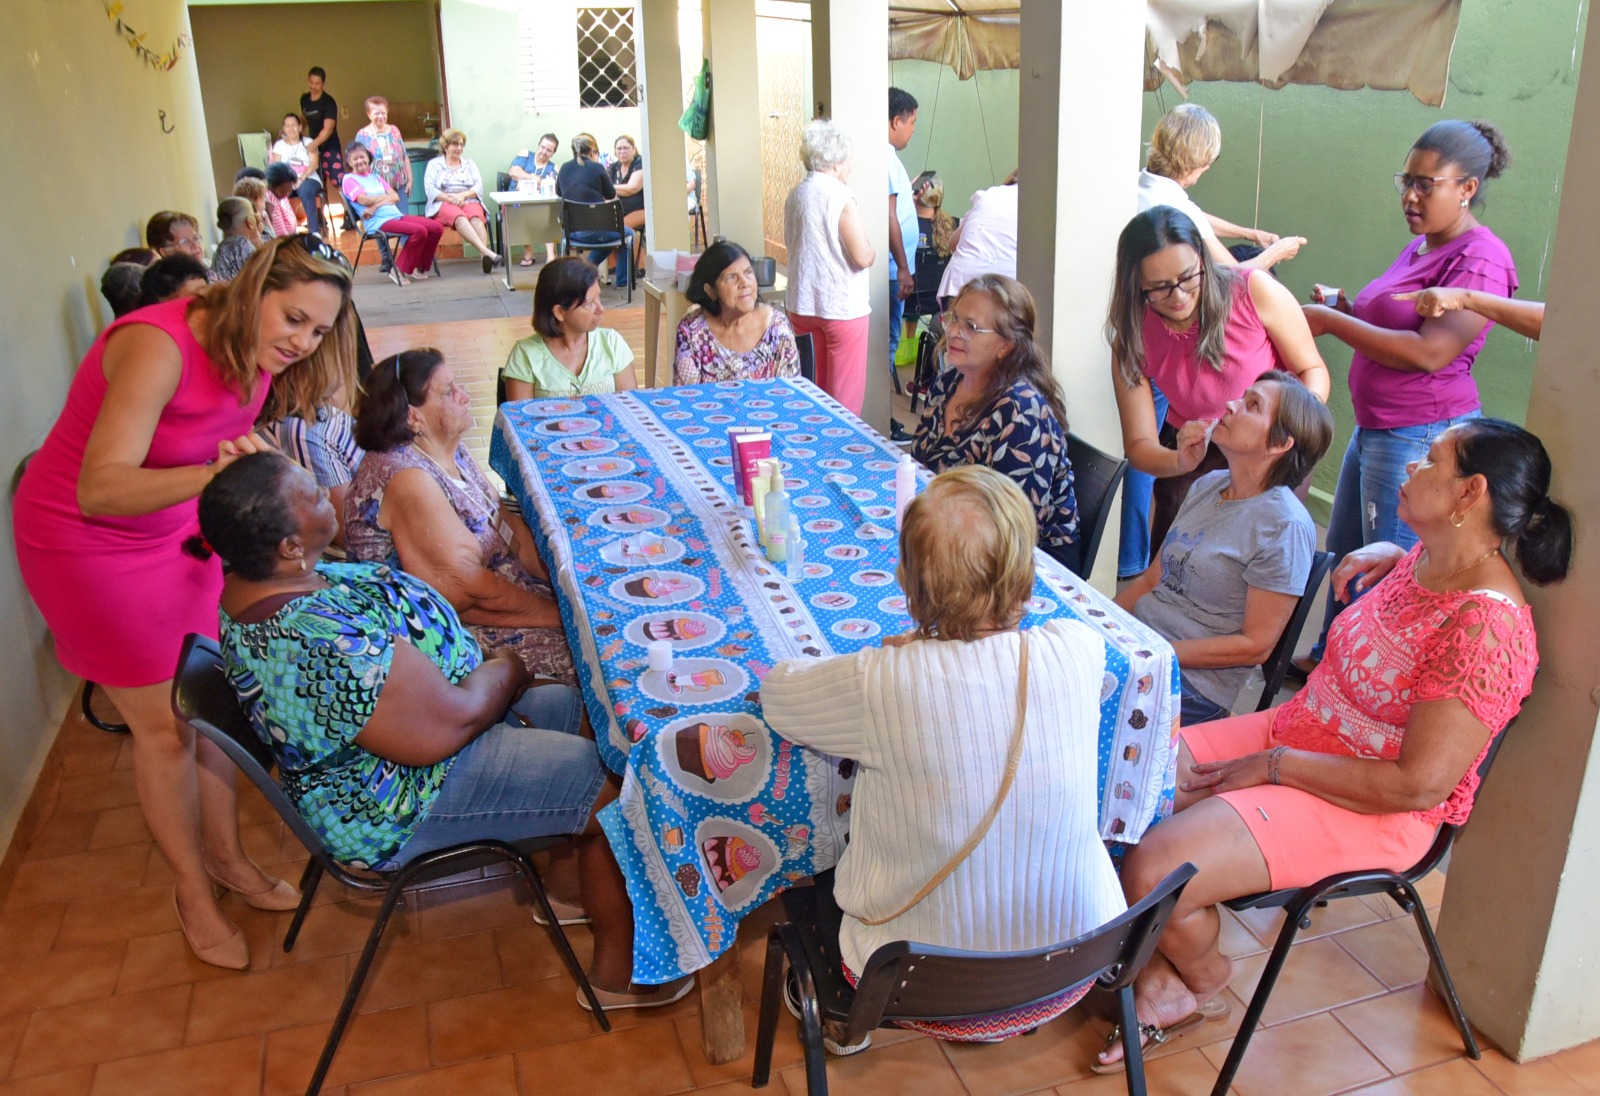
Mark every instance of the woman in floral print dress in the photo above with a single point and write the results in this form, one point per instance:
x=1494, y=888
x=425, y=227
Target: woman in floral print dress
x=996, y=404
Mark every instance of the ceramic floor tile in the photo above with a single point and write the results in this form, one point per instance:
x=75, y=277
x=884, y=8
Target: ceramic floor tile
x=500, y=1021
x=166, y=960
x=646, y=1061
x=1313, y=1056
x=62, y=834
x=488, y=1077
x=377, y=1045
x=1235, y=940
x=83, y=1034
x=474, y=907
x=1540, y=1078
x=58, y=978
x=786, y=1051
x=96, y=918
x=429, y=970
x=527, y=954
x=97, y=791
x=1317, y=976
x=64, y=877
x=231, y=1068
x=341, y=928
x=1450, y=1079
x=29, y=931
x=11, y=1029
x=1582, y=1064
x=119, y=826
x=1406, y=1030
x=266, y=1000
x=1391, y=950
x=1188, y=1074
x=914, y=1068
x=74, y=1082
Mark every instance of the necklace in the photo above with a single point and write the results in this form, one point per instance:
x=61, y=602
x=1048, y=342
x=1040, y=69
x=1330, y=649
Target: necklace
x=1446, y=578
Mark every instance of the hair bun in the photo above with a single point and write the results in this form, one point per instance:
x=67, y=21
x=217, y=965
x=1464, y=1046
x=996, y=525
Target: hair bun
x=1499, y=153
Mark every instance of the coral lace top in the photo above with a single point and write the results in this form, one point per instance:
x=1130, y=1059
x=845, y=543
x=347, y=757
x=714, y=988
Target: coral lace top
x=1403, y=644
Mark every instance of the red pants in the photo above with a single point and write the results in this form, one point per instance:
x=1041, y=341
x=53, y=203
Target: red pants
x=422, y=240
x=840, y=349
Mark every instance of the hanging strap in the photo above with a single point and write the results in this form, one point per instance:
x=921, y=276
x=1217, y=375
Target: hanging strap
x=1006, y=781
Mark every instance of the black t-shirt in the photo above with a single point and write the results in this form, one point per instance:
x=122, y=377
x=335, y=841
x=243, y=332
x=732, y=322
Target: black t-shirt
x=584, y=181
x=631, y=203
x=317, y=111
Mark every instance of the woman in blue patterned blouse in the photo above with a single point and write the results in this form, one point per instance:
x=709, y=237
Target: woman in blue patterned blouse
x=394, y=736
x=997, y=404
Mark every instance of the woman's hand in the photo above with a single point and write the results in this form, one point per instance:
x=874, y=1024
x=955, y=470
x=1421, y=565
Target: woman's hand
x=1228, y=776
x=1193, y=437
x=1262, y=238
x=1282, y=248
x=243, y=445
x=521, y=676
x=1361, y=570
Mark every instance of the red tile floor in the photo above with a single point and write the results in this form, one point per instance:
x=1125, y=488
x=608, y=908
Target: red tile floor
x=99, y=995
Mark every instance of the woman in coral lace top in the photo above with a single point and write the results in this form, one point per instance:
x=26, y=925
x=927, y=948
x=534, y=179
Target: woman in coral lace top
x=1383, y=744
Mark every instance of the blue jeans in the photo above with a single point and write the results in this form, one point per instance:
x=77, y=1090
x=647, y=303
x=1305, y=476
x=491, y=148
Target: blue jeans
x=513, y=783
x=1133, y=548
x=1194, y=708
x=897, y=309
x=598, y=255
x=307, y=192
x=1366, y=501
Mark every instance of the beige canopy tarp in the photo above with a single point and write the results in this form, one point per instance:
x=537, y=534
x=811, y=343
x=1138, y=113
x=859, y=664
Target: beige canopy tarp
x=1390, y=45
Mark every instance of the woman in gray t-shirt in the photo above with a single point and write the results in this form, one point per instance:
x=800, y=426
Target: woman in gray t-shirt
x=1226, y=579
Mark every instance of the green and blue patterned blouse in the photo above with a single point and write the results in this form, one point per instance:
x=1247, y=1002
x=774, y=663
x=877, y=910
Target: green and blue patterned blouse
x=309, y=677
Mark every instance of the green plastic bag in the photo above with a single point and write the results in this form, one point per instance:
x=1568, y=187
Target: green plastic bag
x=696, y=120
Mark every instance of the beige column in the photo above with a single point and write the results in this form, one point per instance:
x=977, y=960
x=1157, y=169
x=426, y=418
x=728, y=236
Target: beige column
x=1079, y=117
x=1518, y=923
x=666, y=201
x=850, y=76
x=733, y=153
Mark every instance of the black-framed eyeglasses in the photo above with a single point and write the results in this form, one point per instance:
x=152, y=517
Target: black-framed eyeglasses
x=1423, y=184
x=1188, y=283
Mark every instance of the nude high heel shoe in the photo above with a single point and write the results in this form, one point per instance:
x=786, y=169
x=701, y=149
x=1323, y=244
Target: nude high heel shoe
x=232, y=954
x=281, y=896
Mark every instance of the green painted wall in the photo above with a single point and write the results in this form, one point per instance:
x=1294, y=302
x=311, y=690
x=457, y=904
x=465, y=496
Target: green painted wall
x=966, y=129
x=1328, y=157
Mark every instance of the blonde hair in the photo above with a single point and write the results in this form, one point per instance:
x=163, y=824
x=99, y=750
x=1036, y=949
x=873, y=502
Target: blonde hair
x=235, y=211
x=451, y=136
x=252, y=189
x=233, y=315
x=1186, y=138
x=944, y=226
x=966, y=554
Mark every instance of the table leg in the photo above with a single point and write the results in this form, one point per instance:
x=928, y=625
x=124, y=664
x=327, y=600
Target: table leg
x=652, y=332
x=501, y=211
x=722, y=1009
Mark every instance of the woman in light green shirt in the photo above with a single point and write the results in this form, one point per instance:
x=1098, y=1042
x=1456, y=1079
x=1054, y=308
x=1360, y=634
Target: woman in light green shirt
x=569, y=353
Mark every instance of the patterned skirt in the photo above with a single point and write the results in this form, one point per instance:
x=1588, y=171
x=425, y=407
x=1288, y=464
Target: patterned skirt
x=996, y=1026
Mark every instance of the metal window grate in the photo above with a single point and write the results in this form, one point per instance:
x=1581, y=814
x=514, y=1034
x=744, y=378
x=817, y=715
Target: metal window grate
x=606, y=58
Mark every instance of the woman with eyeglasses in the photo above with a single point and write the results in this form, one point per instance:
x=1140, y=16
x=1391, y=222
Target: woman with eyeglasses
x=163, y=402
x=997, y=405
x=1411, y=376
x=1200, y=332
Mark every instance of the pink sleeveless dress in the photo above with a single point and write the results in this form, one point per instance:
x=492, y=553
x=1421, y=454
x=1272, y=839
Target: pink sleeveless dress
x=119, y=593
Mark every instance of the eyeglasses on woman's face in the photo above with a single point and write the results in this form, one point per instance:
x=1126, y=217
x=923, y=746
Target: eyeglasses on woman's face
x=1162, y=291
x=960, y=325
x=1423, y=184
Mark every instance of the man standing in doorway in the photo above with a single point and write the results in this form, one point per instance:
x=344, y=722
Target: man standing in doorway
x=902, y=213
x=322, y=126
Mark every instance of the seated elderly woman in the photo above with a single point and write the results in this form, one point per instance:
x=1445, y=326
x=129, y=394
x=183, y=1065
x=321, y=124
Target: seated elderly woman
x=997, y=404
x=241, y=235
x=455, y=195
x=733, y=335
x=1238, y=554
x=1359, y=768
x=394, y=735
x=569, y=353
x=419, y=502
x=253, y=189
x=280, y=214
x=933, y=719
x=170, y=233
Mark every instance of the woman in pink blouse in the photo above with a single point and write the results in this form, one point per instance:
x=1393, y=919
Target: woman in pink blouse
x=1383, y=744
x=1410, y=377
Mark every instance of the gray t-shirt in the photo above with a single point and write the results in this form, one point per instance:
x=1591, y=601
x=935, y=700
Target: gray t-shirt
x=1215, y=552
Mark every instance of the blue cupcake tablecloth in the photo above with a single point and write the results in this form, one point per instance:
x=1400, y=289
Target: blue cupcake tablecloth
x=631, y=498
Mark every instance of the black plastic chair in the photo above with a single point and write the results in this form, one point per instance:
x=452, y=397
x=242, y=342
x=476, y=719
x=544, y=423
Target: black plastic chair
x=906, y=981
x=1277, y=663
x=927, y=370
x=203, y=697
x=808, y=356
x=596, y=217
x=1096, y=475
x=1297, y=904
x=502, y=182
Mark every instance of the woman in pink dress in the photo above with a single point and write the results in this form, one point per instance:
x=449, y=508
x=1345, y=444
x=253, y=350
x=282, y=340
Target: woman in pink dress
x=1360, y=767
x=164, y=400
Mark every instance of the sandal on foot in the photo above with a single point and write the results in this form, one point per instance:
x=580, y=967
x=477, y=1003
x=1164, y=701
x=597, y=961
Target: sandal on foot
x=1158, y=1042
x=567, y=913
x=647, y=997
x=527, y=260
x=791, y=1001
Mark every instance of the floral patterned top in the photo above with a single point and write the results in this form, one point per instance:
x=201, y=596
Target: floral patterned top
x=388, y=155
x=231, y=255
x=309, y=677
x=701, y=359
x=1018, y=435
x=1404, y=644
x=476, y=502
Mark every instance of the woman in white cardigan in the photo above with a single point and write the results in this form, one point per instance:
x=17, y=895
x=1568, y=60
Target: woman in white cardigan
x=931, y=719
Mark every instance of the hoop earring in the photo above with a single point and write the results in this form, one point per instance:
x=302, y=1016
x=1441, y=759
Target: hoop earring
x=1457, y=520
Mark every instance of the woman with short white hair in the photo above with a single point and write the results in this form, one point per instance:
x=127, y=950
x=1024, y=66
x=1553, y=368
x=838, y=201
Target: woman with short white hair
x=933, y=720
x=829, y=257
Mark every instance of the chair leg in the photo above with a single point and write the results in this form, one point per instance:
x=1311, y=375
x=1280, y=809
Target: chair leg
x=308, y=890
x=1436, y=957
x=1258, y=1001
x=360, y=246
x=810, y=1014
x=767, y=1023
x=1132, y=1052
x=353, y=990
x=535, y=884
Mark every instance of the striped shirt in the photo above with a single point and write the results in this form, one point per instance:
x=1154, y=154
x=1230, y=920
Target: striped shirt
x=326, y=448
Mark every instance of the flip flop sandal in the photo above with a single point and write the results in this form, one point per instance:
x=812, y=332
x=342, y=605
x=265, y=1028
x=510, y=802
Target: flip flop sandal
x=1158, y=1042
x=527, y=260
x=567, y=913
x=656, y=997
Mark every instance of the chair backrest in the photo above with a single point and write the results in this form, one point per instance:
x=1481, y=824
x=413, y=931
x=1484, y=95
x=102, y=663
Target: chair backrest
x=1277, y=662
x=928, y=275
x=255, y=149
x=1096, y=475
x=503, y=181
x=808, y=356
x=592, y=217
x=203, y=697
x=499, y=388
x=905, y=981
